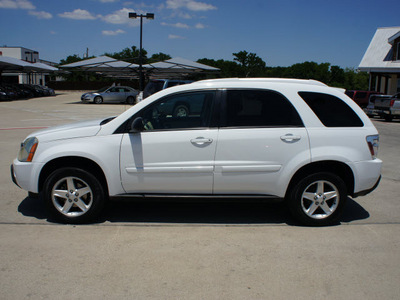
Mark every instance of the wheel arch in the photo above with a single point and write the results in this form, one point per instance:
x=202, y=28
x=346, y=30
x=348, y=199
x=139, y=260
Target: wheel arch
x=72, y=161
x=338, y=168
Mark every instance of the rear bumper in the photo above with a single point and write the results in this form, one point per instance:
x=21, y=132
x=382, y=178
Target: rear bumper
x=366, y=192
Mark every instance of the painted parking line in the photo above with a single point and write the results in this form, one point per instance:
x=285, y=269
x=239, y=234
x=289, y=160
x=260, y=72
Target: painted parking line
x=16, y=128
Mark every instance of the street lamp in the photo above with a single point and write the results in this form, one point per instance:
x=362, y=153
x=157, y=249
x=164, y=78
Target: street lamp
x=149, y=16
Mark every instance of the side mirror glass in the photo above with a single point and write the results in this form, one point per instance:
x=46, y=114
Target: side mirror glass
x=137, y=125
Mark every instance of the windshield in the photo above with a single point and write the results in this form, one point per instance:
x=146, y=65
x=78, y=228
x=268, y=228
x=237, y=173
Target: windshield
x=102, y=89
x=152, y=87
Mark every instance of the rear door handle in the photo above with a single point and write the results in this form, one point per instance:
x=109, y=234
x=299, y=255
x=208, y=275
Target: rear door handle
x=290, y=138
x=201, y=141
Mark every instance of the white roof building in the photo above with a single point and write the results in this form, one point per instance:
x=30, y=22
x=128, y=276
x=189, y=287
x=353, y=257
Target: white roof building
x=382, y=60
x=34, y=70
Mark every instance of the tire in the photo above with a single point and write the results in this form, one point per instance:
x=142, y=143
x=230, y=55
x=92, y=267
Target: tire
x=130, y=100
x=181, y=111
x=318, y=199
x=73, y=195
x=388, y=118
x=98, y=100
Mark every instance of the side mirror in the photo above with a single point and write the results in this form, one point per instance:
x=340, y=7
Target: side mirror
x=137, y=125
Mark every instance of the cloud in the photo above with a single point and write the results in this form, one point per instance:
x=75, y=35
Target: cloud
x=120, y=17
x=16, y=4
x=176, y=25
x=113, y=32
x=78, y=14
x=200, y=26
x=175, y=37
x=41, y=14
x=190, y=5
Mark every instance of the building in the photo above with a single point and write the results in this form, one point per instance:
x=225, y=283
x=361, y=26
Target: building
x=382, y=61
x=28, y=55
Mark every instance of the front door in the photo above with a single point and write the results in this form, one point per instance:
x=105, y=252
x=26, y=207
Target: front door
x=175, y=152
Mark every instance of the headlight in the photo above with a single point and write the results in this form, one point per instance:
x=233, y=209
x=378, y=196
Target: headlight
x=27, y=150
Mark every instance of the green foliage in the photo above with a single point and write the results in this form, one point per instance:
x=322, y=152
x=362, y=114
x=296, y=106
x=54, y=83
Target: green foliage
x=71, y=59
x=129, y=54
x=250, y=64
x=159, y=57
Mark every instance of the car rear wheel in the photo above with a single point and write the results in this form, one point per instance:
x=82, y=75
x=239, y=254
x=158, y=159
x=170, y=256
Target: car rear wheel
x=130, y=100
x=388, y=118
x=318, y=199
x=73, y=195
x=98, y=100
x=181, y=111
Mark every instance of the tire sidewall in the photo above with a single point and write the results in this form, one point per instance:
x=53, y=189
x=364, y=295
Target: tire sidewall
x=94, y=184
x=295, y=199
x=98, y=100
x=130, y=100
x=176, y=109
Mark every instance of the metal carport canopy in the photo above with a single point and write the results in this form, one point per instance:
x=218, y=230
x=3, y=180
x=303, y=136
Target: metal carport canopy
x=104, y=65
x=108, y=66
x=176, y=67
x=15, y=65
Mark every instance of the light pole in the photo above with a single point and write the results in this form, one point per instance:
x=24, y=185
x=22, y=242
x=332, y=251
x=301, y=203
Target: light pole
x=149, y=16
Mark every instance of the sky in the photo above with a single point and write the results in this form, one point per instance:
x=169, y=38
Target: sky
x=281, y=32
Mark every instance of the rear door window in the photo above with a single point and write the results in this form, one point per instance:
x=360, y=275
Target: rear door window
x=331, y=111
x=259, y=108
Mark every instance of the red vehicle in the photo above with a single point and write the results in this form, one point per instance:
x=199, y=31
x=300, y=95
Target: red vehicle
x=361, y=97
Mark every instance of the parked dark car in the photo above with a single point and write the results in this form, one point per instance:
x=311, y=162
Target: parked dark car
x=156, y=85
x=360, y=97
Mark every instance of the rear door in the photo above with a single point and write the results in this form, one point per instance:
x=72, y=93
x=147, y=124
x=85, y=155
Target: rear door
x=261, y=140
x=114, y=94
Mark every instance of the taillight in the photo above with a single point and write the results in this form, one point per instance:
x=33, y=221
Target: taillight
x=373, y=145
x=392, y=102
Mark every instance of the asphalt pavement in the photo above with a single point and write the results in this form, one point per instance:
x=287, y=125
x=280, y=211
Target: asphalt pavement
x=184, y=250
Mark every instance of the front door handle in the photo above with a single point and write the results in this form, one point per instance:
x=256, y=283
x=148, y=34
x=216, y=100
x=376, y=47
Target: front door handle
x=201, y=141
x=290, y=138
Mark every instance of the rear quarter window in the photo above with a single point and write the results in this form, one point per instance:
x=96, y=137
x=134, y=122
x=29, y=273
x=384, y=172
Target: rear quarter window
x=331, y=111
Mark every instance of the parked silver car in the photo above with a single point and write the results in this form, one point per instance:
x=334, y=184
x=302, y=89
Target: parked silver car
x=123, y=94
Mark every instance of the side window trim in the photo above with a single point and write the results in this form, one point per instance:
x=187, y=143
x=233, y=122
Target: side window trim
x=214, y=118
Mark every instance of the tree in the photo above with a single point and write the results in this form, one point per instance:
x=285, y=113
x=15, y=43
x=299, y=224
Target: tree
x=159, y=57
x=70, y=59
x=251, y=64
x=129, y=55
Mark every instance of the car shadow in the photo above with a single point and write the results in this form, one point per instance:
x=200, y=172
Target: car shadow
x=192, y=212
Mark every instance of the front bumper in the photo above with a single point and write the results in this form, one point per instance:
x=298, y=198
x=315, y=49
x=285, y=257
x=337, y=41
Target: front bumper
x=13, y=176
x=25, y=175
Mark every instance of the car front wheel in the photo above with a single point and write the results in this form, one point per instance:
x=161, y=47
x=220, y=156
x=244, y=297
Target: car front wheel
x=98, y=100
x=318, y=199
x=73, y=195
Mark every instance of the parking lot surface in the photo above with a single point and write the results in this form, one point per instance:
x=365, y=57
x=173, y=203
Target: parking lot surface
x=170, y=250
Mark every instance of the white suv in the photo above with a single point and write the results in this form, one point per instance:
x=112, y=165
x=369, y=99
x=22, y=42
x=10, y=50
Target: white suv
x=297, y=140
